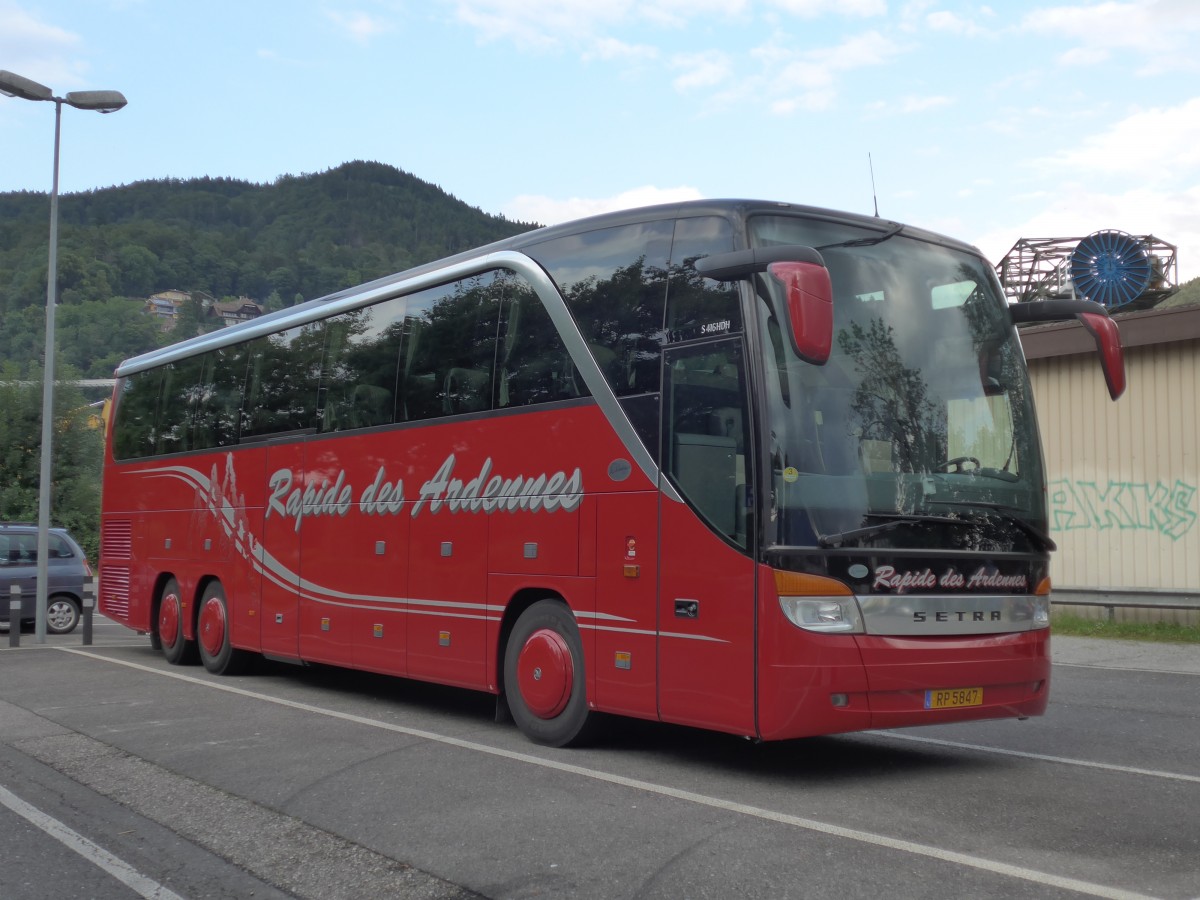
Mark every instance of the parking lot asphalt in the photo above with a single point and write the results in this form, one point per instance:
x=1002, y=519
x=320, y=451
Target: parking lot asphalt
x=1121, y=654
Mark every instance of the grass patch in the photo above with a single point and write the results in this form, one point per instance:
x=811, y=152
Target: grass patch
x=1162, y=632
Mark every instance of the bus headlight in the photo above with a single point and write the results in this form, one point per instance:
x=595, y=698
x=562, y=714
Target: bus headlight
x=833, y=615
x=1041, y=604
x=1041, y=612
x=817, y=603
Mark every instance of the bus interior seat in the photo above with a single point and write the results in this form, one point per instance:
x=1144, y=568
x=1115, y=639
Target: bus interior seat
x=727, y=422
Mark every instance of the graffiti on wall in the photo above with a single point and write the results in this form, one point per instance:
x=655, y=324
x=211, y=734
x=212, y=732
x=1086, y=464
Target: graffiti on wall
x=1168, y=509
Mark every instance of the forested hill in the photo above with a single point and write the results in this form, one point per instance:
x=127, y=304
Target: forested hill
x=297, y=238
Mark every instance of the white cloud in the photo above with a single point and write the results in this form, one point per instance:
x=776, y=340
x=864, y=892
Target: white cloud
x=549, y=211
x=358, y=25
x=806, y=79
x=1163, y=31
x=701, y=70
x=909, y=104
x=677, y=13
x=1152, y=146
x=608, y=49
x=953, y=23
x=812, y=8
x=538, y=23
x=547, y=24
x=39, y=50
x=922, y=104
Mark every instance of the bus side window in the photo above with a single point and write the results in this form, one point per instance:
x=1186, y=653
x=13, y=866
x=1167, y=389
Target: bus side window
x=696, y=306
x=362, y=357
x=137, y=405
x=219, y=398
x=533, y=365
x=177, y=404
x=450, y=368
x=705, y=432
x=283, y=380
x=614, y=281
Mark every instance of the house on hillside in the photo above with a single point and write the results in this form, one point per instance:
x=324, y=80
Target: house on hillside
x=231, y=312
x=164, y=306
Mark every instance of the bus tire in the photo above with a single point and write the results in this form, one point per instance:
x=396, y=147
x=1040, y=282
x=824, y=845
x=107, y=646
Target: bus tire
x=212, y=634
x=544, y=679
x=168, y=626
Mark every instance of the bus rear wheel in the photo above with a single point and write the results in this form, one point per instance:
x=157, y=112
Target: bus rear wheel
x=168, y=627
x=544, y=676
x=212, y=634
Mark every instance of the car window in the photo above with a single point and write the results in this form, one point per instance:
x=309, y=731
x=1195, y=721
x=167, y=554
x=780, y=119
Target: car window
x=20, y=548
x=60, y=548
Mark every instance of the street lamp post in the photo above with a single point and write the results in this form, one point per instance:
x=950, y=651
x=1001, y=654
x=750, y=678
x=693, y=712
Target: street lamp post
x=12, y=85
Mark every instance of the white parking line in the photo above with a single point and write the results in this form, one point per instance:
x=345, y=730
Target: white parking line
x=143, y=885
x=962, y=859
x=1042, y=757
x=1117, y=667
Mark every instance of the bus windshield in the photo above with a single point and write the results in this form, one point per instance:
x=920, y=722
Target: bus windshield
x=919, y=431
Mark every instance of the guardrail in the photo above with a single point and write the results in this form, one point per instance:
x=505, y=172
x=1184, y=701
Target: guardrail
x=1111, y=601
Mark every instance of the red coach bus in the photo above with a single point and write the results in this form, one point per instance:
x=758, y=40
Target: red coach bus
x=747, y=466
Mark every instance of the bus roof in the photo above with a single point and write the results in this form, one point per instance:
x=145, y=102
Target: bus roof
x=419, y=276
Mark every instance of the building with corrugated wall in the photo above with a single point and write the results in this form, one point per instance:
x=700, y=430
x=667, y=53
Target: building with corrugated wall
x=1124, y=477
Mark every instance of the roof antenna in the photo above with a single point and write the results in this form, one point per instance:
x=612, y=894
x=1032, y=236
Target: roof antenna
x=874, y=196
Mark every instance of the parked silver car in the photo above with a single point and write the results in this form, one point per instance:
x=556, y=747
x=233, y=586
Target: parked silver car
x=68, y=571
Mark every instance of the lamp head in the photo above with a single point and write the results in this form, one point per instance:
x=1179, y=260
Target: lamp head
x=13, y=85
x=100, y=101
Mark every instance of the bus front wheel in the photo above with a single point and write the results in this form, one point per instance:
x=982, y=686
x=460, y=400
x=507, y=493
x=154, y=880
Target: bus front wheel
x=544, y=678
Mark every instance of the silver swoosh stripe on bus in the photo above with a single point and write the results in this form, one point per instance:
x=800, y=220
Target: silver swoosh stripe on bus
x=261, y=561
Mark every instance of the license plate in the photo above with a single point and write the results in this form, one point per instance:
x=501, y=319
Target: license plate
x=954, y=697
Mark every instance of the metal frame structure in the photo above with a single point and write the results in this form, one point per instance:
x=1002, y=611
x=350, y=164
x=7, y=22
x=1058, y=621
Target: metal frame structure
x=1040, y=269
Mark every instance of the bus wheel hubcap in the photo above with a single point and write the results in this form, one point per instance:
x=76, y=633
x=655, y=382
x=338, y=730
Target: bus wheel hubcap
x=212, y=626
x=168, y=620
x=545, y=673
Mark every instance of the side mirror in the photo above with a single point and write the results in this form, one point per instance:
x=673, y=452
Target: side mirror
x=809, y=295
x=1095, y=319
x=807, y=290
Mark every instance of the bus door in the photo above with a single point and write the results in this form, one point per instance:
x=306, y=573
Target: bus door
x=706, y=577
x=282, y=535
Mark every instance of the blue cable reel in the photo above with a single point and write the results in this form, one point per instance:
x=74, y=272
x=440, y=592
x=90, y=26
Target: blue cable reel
x=1110, y=267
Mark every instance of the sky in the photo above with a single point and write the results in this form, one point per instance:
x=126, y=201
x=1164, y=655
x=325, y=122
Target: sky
x=988, y=122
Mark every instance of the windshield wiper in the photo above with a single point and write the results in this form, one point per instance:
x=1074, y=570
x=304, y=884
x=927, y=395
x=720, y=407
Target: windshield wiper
x=1012, y=516
x=836, y=540
x=866, y=241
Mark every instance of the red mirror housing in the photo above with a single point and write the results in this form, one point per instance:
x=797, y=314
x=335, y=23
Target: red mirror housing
x=1112, y=354
x=809, y=295
x=1095, y=319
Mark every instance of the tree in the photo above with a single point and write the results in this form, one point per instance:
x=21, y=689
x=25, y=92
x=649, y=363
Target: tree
x=191, y=319
x=77, y=456
x=96, y=336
